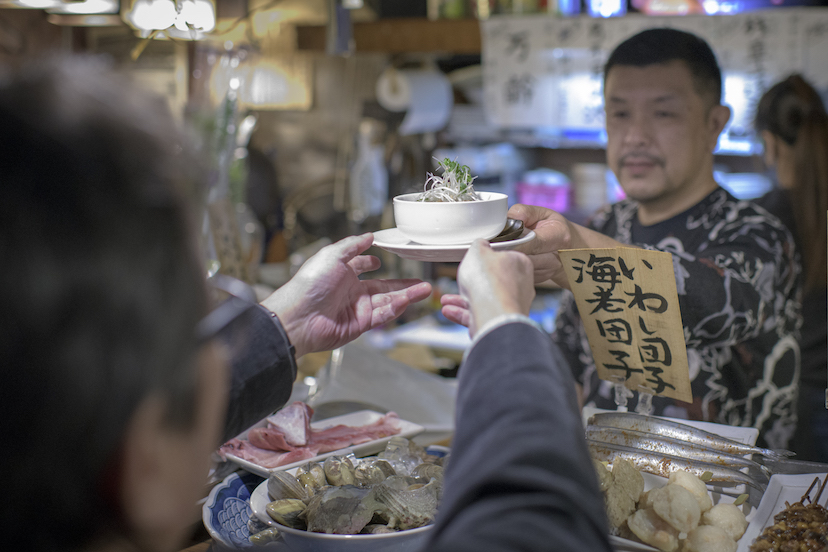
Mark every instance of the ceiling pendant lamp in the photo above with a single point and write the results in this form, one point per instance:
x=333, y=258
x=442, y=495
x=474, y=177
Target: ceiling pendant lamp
x=74, y=13
x=182, y=19
x=85, y=7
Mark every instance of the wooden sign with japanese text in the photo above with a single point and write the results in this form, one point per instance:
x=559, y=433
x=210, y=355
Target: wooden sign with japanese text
x=629, y=306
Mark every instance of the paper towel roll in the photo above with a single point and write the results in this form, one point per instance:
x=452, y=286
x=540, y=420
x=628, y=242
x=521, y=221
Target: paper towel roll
x=424, y=94
x=393, y=90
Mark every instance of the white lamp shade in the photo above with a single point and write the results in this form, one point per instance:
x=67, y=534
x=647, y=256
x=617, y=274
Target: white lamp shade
x=188, y=19
x=37, y=4
x=152, y=15
x=199, y=14
x=86, y=7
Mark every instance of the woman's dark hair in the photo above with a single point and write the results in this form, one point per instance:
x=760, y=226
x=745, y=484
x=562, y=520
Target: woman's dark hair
x=100, y=291
x=656, y=46
x=793, y=111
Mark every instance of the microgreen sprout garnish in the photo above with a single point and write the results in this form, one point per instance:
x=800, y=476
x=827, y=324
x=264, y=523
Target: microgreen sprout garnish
x=455, y=184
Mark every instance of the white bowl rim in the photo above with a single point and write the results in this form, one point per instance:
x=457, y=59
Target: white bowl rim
x=362, y=537
x=487, y=196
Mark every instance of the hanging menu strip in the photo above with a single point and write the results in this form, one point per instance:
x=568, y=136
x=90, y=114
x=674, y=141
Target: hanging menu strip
x=544, y=71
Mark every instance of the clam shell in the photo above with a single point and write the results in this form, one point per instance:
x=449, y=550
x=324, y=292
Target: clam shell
x=407, y=508
x=342, y=510
x=372, y=471
x=428, y=472
x=315, y=470
x=339, y=470
x=265, y=536
x=281, y=485
x=287, y=512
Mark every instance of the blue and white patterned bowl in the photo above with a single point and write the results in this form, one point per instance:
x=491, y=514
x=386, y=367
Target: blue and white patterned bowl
x=228, y=517
x=226, y=512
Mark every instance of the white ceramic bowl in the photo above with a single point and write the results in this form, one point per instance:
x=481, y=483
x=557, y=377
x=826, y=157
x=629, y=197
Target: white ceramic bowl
x=411, y=540
x=450, y=223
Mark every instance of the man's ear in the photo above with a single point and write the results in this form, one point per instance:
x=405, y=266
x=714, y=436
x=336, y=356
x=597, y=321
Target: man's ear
x=771, y=148
x=717, y=119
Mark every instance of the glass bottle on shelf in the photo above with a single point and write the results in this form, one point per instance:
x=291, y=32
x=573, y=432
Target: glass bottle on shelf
x=368, y=184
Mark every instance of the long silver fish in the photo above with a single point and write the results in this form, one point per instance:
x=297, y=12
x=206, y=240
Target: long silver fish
x=664, y=465
x=673, y=447
x=683, y=432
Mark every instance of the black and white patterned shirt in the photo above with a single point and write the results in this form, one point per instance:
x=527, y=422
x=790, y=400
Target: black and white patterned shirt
x=739, y=283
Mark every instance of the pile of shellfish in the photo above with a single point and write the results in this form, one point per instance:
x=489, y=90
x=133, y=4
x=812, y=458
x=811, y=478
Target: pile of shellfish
x=396, y=490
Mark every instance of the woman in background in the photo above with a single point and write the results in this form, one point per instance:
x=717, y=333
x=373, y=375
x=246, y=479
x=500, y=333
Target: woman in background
x=793, y=124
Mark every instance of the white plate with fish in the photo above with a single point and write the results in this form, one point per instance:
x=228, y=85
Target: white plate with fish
x=393, y=241
x=661, y=446
x=746, y=435
x=720, y=468
x=354, y=419
x=782, y=488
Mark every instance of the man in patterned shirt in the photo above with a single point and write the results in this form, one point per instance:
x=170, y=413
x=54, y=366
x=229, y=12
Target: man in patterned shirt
x=737, y=274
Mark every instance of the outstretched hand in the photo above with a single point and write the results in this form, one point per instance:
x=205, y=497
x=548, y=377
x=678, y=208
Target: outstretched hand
x=553, y=233
x=325, y=305
x=491, y=283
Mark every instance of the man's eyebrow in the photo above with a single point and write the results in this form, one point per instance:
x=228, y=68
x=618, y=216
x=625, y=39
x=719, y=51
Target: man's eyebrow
x=667, y=98
x=657, y=99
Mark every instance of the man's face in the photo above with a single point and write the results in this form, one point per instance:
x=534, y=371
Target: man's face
x=660, y=134
x=190, y=451
x=167, y=466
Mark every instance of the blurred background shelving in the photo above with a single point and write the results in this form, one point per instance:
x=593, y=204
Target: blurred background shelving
x=294, y=84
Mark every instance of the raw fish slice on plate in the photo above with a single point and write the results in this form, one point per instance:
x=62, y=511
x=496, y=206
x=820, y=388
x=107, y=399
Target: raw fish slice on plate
x=294, y=422
x=288, y=437
x=240, y=448
x=341, y=436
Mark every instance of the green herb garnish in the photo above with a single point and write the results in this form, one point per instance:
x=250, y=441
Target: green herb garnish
x=455, y=184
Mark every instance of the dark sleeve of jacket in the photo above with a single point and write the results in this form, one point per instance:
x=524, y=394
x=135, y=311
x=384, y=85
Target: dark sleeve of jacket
x=263, y=368
x=520, y=476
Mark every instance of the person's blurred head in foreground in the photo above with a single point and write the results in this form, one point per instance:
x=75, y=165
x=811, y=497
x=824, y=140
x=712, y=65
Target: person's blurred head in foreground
x=112, y=406
x=662, y=96
x=793, y=124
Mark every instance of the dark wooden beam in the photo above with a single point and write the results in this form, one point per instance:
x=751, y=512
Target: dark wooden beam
x=456, y=36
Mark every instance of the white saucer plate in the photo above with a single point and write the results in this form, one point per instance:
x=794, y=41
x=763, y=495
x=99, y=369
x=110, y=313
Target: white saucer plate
x=392, y=240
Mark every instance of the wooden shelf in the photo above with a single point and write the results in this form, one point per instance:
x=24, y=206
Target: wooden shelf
x=395, y=36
